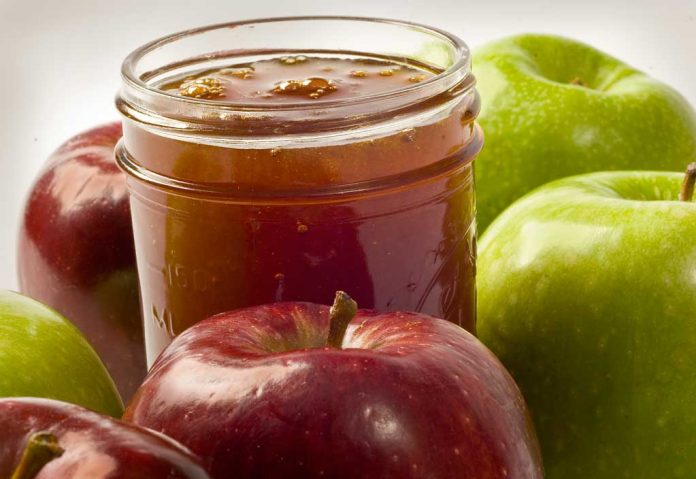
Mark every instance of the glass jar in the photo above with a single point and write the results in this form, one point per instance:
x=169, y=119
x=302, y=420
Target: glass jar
x=239, y=204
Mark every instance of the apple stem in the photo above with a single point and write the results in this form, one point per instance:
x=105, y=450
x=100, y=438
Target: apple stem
x=340, y=315
x=687, y=188
x=41, y=449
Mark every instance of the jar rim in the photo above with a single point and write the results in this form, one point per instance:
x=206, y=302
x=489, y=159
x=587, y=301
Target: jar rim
x=455, y=74
x=462, y=65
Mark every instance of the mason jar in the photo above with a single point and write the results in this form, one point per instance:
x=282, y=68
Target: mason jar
x=240, y=202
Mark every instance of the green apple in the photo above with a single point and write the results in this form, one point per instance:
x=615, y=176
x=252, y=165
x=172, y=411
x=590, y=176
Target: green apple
x=43, y=355
x=587, y=293
x=553, y=107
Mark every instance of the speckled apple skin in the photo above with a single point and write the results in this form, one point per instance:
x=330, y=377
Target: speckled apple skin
x=587, y=293
x=553, y=107
x=94, y=446
x=257, y=395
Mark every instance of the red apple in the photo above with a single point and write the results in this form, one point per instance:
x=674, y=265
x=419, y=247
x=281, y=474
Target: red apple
x=47, y=439
x=76, y=250
x=279, y=391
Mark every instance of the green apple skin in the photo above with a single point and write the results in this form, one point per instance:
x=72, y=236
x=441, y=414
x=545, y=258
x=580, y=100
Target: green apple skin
x=43, y=355
x=587, y=293
x=539, y=126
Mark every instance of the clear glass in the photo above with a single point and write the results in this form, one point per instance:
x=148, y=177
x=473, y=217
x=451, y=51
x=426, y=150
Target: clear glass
x=238, y=204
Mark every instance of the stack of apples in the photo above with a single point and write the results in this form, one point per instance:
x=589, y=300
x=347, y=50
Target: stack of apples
x=586, y=294
x=283, y=390
x=586, y=285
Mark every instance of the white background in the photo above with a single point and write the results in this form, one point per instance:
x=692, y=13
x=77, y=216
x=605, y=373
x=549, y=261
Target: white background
x=60, y=59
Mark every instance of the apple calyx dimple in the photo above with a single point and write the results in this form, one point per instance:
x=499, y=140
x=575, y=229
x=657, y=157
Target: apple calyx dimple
x=687, y=188
x=577, y=81
x=41, y=449
x=341, y=313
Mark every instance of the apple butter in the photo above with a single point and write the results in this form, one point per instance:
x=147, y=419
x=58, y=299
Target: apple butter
x=260, y=174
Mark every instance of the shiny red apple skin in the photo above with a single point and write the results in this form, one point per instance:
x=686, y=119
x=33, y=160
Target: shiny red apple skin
x=95, y=446
x=76, y=251
x=256, y=392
